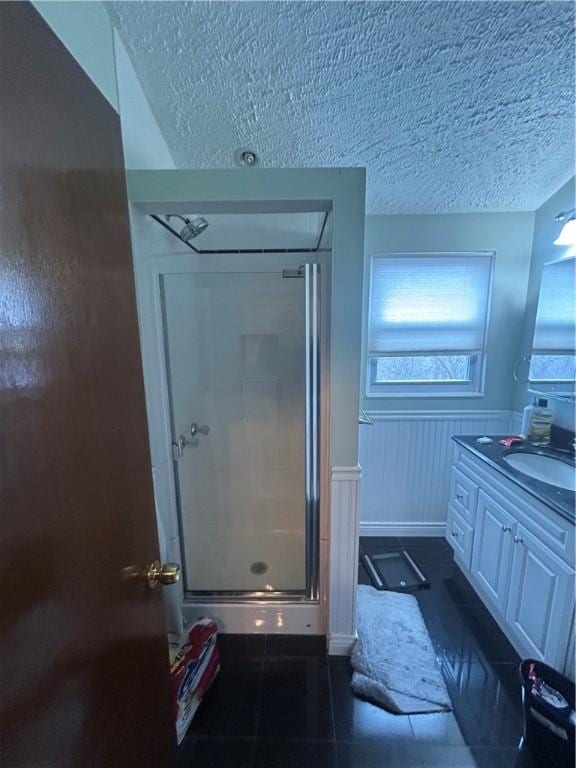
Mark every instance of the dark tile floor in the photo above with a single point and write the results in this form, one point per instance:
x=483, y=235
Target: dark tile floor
x=281, y=702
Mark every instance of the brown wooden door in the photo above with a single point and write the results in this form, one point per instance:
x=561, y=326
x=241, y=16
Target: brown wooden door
x=83, y=661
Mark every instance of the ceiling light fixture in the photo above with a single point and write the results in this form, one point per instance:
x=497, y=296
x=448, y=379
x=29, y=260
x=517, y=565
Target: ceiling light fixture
x=567, y=234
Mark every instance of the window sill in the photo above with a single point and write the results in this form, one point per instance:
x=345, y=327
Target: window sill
x=421, y=395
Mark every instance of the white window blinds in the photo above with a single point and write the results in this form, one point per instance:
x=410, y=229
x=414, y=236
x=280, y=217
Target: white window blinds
x=555, y=320
x=428, y=303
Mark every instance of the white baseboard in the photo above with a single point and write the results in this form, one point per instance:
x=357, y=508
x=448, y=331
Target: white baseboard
x=340, y=645
x=402, y=529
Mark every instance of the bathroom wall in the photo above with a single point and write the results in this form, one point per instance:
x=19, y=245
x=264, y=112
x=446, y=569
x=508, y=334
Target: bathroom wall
x=406, y=454
x=86, y=30
x=510, y=236
x=144, y=144
x=543, y=250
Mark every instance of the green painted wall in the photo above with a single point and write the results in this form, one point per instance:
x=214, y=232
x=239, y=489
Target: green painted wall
x=85, y=29
x=543, y=250
x=510, y=236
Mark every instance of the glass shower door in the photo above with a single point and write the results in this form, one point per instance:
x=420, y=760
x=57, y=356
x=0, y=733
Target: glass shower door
x=242, y=354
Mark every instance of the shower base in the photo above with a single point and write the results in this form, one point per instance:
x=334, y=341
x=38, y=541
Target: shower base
x=258, y=617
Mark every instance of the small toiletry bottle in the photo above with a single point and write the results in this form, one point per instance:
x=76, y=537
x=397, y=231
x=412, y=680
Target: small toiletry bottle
x=540, y=428
x=527, y=418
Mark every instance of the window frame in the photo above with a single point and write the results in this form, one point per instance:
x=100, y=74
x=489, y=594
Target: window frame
x=445, y=389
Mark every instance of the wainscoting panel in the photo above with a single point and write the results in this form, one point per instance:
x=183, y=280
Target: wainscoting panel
x=343, y=559
x=406, y=459
x=515, y=422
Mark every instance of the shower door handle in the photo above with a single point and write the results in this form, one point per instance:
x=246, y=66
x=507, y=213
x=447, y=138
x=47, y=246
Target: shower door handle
x=180, y=444
x=178, y=447
x=199, y=429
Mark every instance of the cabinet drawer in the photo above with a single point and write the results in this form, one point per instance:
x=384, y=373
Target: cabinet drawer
x=460, y=535
x=463, y=494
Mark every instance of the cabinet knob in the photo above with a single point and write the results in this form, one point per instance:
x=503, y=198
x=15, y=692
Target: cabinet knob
x=460, y=497
x=454, y=533
x=506, y=528
x=518, y=540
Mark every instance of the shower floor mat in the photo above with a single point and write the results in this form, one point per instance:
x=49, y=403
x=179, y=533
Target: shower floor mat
x=394, y=571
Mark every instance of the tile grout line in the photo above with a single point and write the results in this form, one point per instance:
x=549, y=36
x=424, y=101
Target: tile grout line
x=332, y=708
x=260, y=698
x=259, y=703
x=333, y=714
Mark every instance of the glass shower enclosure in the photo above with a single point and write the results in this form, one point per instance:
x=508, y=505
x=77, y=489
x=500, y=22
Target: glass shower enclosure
x=242, y=355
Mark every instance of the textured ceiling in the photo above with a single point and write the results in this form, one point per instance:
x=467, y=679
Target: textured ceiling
x=451, y=106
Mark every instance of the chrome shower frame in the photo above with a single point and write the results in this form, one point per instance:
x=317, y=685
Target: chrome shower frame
x=312, y=287
x=311, y=594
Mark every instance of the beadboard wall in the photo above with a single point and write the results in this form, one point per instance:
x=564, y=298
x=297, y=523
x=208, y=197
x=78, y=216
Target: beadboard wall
x=406, y=458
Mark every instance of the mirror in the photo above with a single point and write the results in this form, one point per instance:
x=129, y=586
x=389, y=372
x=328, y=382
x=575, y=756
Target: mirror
x=553, y=359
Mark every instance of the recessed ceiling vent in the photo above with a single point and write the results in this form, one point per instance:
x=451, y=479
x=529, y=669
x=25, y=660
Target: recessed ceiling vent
x=246, y=158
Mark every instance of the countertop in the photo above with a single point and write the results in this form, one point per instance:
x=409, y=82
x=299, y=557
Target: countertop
x=560, y=500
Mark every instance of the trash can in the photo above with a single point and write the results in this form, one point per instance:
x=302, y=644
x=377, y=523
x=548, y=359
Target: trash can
x=549, y=716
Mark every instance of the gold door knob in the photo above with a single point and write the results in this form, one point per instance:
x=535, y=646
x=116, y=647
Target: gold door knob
x=168, y=573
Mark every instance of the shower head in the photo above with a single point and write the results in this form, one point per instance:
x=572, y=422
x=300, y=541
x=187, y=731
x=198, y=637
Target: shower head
x=192, y=227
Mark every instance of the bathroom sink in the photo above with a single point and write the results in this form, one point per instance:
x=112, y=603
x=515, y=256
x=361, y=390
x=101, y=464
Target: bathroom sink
x=548, y=469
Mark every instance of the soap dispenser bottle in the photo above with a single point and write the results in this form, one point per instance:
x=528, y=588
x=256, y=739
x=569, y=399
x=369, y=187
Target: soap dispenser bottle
x=540, y=429
x=527, y=418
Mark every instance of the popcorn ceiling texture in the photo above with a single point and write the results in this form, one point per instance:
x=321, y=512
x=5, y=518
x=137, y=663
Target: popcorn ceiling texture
x=451, y=106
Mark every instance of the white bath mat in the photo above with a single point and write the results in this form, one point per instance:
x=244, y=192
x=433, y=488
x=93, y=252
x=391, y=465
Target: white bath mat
x=393, y=660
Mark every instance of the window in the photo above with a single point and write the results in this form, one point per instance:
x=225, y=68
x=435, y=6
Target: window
x=427, y=323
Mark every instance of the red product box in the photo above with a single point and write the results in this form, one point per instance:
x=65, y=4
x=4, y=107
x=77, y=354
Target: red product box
x=194, y=666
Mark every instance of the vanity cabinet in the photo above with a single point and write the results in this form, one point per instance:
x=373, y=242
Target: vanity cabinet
x=518, y=554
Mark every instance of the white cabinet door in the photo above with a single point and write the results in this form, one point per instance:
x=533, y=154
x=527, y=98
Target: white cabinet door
x=492, y=551
x=541, y=599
